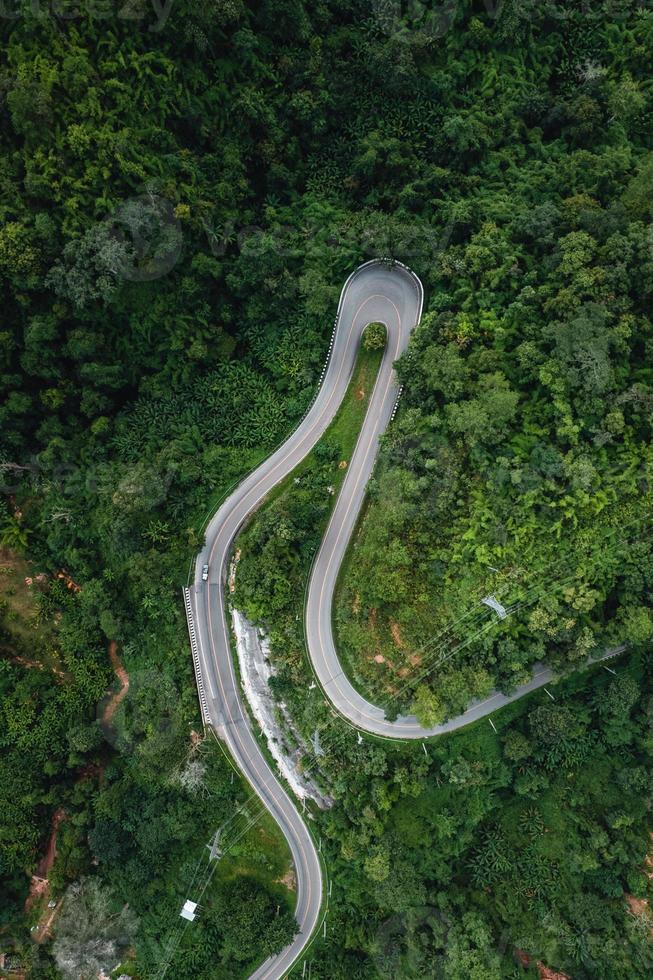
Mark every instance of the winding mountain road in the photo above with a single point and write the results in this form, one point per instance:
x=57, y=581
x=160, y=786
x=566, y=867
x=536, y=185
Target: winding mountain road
x=376, y=291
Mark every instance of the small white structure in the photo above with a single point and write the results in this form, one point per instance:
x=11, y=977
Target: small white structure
x=494, y=603
x=188, y=911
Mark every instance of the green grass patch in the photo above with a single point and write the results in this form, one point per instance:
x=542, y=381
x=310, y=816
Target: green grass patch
x=265, y=858
x=343, y=430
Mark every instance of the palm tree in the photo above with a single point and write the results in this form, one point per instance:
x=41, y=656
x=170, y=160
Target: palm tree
x=13, y=536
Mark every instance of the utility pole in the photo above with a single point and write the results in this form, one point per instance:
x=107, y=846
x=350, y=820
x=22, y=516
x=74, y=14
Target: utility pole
x=494, y=604
x=216, y=852
x=317, y=745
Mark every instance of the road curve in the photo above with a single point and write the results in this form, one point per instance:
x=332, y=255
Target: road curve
x=376, y=291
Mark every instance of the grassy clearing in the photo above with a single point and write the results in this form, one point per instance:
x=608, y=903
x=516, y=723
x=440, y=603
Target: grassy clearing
x=262, y=853
x=18, y=601
x=265, y=858
x=343, y=430
x=27, y=635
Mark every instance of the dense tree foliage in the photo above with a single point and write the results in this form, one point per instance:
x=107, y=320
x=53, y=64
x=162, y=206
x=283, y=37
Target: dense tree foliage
x=184, y=189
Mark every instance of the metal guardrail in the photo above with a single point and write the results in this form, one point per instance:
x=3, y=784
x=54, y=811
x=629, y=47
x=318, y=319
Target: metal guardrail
x=206, y=717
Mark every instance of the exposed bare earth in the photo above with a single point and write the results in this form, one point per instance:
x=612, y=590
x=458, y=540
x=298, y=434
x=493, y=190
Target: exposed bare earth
x=114, y=702
x=40, y=886
x=396, y=634
x=548, y=974
x=289, y=880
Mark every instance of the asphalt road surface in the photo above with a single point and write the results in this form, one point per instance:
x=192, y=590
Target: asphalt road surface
x=376, y=291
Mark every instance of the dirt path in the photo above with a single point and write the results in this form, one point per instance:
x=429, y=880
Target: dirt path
x=40, y=886
x=47, y=860
x=43, y=929
x=122, y=675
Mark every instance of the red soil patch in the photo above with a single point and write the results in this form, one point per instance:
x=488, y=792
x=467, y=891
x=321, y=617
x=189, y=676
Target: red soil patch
x=114, y=702
x=396, y=634
x=40, y=886
x=547, y=974
x=67, y=580
x=289, y=880
x=43, y=930
x=640, y=908
x=37, y=889
x=47, y=860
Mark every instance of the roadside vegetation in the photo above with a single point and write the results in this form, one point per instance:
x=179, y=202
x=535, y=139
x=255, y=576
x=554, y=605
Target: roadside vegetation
x=179, y=210
x=496, y=852
x=279, y=544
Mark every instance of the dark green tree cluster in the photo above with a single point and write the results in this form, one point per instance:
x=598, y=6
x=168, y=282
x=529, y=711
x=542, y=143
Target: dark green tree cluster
x=180, y=206
x=534, y=840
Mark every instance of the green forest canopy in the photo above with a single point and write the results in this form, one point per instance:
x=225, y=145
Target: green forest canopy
x=180, y=207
